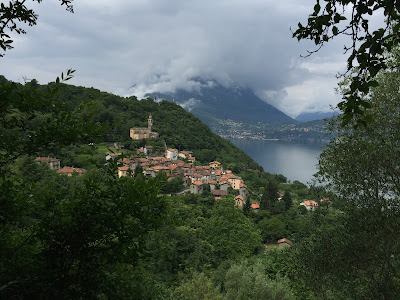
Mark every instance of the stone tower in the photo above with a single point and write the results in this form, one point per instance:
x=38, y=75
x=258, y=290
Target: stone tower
x=150, y=122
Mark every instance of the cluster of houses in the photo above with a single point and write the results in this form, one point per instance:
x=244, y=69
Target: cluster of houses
x=195, y=177
x=54, y=164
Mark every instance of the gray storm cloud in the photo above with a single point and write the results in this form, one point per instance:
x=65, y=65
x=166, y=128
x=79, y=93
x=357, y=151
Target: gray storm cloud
x=136, y=47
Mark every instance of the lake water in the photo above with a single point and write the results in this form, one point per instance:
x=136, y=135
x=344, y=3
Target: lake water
x=295, y=161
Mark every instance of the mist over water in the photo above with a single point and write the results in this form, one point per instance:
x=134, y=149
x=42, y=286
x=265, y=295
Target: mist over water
x=295, y=161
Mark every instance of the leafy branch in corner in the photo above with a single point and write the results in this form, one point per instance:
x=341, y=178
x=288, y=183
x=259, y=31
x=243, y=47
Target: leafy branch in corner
x=16, y=12
x=367, y=50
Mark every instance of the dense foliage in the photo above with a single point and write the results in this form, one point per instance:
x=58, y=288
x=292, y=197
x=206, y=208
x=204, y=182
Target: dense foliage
x=360, y=249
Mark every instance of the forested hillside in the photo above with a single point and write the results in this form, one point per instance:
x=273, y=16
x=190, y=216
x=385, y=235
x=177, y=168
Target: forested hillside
x=178, y=128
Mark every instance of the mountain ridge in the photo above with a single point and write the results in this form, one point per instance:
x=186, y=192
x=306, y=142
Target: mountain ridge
x=313, y=116
x=213, y=101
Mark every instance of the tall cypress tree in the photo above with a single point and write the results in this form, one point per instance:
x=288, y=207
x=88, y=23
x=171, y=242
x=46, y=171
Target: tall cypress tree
x=288, y=200
x=270, y=196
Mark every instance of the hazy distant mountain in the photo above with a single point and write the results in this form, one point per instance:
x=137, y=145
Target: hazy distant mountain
x=213, y=101
x=305, y=117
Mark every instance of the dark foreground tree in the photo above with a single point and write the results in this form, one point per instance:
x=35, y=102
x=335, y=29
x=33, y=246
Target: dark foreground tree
x=359, y=255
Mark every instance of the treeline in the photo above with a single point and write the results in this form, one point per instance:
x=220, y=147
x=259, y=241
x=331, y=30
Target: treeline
x=96, y=236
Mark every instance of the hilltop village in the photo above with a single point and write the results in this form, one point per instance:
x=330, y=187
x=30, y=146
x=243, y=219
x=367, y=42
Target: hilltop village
x=194, y=178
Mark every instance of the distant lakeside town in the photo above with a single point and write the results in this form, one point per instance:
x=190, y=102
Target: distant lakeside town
x=308, y=132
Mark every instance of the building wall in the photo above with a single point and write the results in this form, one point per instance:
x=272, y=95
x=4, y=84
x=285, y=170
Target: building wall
x=224, y=187
x=235, y=183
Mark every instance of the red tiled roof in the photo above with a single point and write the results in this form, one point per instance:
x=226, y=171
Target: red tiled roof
x=115, y=154
x=172, y=150
x=215, y=162
x=124, y=168
x=46, y=159
x=219, y=193
x=243, y=185
x=70, y=170
x=255, y=206
x=310, y=203
x=212, y=182
x=198, y=183
x=239, y=197
x=186, y=152
x=285, y=241
x=140, y=160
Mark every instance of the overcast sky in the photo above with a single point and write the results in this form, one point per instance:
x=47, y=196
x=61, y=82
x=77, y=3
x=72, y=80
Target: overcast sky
x=137, y=46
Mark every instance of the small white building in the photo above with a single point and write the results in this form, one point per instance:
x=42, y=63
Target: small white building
x=172, y=154
x=309, y=204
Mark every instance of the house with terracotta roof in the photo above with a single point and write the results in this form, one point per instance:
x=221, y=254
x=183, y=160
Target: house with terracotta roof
x=215, y=165
x=185, y=154
x=70, y=170
x=239, y=201
x=212, y=184
x=112, y=155
x=172, y=154
x=53, y=163
x=309, y=204
x=191, y=159
x=283, y=243
x=255, y=207
x=224, y=185
x=216, y=175
x=235, y=181
x=196, y=187
x=218, y=194
x=125, y=171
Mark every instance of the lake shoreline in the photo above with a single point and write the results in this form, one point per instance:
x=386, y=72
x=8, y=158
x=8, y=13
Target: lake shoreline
x=296, y=161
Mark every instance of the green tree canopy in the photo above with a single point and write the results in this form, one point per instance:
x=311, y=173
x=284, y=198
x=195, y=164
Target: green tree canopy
x=360, y=250
x=367, y=48
x=231, y=233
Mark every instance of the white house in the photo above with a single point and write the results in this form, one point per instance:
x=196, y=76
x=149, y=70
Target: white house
x=172, y=154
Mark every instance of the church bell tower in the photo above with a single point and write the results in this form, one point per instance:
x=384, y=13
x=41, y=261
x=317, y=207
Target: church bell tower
x=150, y=122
